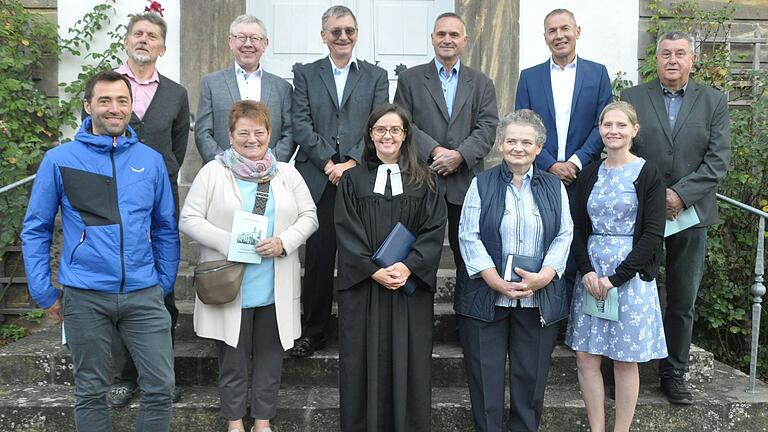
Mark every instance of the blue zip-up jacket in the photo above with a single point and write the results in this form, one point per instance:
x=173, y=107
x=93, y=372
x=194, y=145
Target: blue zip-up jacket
x=117, y=215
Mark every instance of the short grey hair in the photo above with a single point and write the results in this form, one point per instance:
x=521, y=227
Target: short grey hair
x=336, y=11
x=558, y=12
x=522, y=117
x=247, y=19
x=677, y=35
x=150, y=17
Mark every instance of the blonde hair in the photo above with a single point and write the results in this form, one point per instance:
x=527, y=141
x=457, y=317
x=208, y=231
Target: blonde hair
x=622, y=106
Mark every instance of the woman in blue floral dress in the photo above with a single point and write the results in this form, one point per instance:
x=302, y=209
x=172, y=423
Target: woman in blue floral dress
x=618, y=230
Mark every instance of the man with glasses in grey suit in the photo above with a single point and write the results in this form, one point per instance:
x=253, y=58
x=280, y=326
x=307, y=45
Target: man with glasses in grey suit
x=245, y=80
x=332, y=99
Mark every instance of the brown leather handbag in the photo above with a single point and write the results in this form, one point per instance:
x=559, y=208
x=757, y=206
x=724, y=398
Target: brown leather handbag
x=218, y=282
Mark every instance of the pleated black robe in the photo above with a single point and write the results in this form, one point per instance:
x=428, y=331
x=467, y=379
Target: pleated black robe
x=385, y=336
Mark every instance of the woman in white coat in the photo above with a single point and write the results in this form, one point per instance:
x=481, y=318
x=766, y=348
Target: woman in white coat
x=254, y=329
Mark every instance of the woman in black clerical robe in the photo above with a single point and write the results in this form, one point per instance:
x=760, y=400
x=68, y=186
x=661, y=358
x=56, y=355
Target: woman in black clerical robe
x=385, y=334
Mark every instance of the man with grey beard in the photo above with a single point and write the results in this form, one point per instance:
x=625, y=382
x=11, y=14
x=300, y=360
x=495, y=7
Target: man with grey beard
x=160, y=118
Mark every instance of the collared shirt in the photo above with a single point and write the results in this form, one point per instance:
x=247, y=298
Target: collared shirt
x=142, y=91
x=521, y=232
x=563, y=81
x=673, y=102
x=340, y=77
x=449, y=82
x=249, y=84
x=258, y=287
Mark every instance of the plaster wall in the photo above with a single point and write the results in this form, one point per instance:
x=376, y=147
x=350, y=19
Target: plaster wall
x=609, y=33
x=69, y=11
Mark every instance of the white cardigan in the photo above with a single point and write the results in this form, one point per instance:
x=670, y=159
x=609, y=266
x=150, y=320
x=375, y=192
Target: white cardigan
x=207, y=218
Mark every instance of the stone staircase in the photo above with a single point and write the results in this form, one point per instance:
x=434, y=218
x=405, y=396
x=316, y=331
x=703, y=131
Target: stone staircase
x=37, y=394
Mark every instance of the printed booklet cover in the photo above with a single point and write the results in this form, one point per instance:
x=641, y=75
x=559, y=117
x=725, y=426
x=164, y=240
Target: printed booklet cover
x=247, y=230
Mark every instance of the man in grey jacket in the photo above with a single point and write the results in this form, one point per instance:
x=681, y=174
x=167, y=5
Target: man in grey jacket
x=685, y=131
x=245, y=80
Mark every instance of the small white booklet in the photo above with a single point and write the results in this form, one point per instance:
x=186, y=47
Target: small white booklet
x=606, y=309
x=247, y=230
x=684, y=220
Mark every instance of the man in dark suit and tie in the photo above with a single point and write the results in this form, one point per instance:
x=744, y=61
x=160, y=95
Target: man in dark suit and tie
x=568, y=92
x=332, y=100
x=160, y=117
x=685, y=131
x=454, y=110
x=245, y=80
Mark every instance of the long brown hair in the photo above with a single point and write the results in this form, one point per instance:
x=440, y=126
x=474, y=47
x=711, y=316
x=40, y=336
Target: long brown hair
x=408, y=160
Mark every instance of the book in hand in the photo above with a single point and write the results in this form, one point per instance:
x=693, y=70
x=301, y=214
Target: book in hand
x=247, y=230
x=684, y=220
x=607, y=309
x=527, y=263
x=395, y=248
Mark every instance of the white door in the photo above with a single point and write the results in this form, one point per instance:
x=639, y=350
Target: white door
x=391, y=32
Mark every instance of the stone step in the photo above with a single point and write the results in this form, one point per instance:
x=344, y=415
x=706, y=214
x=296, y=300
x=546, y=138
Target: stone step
x=185, y=289
x=41, y=359
x=443, y=322
x=722, y=405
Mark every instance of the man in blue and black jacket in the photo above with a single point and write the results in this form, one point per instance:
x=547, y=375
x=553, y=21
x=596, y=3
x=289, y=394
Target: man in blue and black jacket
x=119, y=257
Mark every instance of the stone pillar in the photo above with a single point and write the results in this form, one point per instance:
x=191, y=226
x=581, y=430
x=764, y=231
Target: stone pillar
x=204, y=49
x=204, y=30
x=492, y=27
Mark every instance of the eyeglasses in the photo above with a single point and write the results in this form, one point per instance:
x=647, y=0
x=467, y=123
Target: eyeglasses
x=245, y=38
x=394, y=131
x=336, y=32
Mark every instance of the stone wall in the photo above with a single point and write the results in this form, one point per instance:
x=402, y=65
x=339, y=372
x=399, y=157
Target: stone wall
x=750, y=16
x=48, y=80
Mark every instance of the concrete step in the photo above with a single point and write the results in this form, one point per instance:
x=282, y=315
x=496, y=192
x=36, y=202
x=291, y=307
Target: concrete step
x=443, y=322
x=41, y=359
x=185, y=289
x=719, y=406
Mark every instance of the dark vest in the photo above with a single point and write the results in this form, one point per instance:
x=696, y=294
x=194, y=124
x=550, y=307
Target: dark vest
x=473, y=297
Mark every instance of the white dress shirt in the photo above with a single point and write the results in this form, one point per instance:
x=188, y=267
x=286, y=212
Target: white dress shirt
x=249, y=84
x=340, y=76
x=563, y=80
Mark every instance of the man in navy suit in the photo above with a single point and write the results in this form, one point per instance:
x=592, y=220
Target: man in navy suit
x=568, y=93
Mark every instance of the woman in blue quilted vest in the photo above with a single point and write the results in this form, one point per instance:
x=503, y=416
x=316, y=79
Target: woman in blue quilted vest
x=515, y=233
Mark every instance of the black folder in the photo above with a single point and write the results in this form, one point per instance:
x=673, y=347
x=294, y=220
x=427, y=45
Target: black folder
x=394, y=249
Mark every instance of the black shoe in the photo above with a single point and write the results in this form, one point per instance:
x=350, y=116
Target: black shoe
x=176, y=395
x=306, y=346
x=674, y=388
x=121, y=394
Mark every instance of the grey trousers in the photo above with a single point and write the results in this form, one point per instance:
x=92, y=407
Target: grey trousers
x=260, y=351
x=685, y=253
x=90, y=318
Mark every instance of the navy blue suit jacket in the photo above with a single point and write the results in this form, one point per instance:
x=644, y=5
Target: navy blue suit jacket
x=591, y=93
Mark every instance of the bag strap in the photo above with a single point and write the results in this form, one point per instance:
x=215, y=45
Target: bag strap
x=262, y=196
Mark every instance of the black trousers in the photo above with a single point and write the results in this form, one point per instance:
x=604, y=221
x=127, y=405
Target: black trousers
x=515, y=333
x=123, y=369
x=319, y=262
x=454, y=214
x=685, y=252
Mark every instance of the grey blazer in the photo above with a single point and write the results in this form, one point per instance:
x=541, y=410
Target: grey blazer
x=694, y=155
x=322, y=130
x=470, y=130
x=218, y=91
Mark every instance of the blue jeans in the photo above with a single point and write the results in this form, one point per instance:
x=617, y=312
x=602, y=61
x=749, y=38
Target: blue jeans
x=140, y=317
